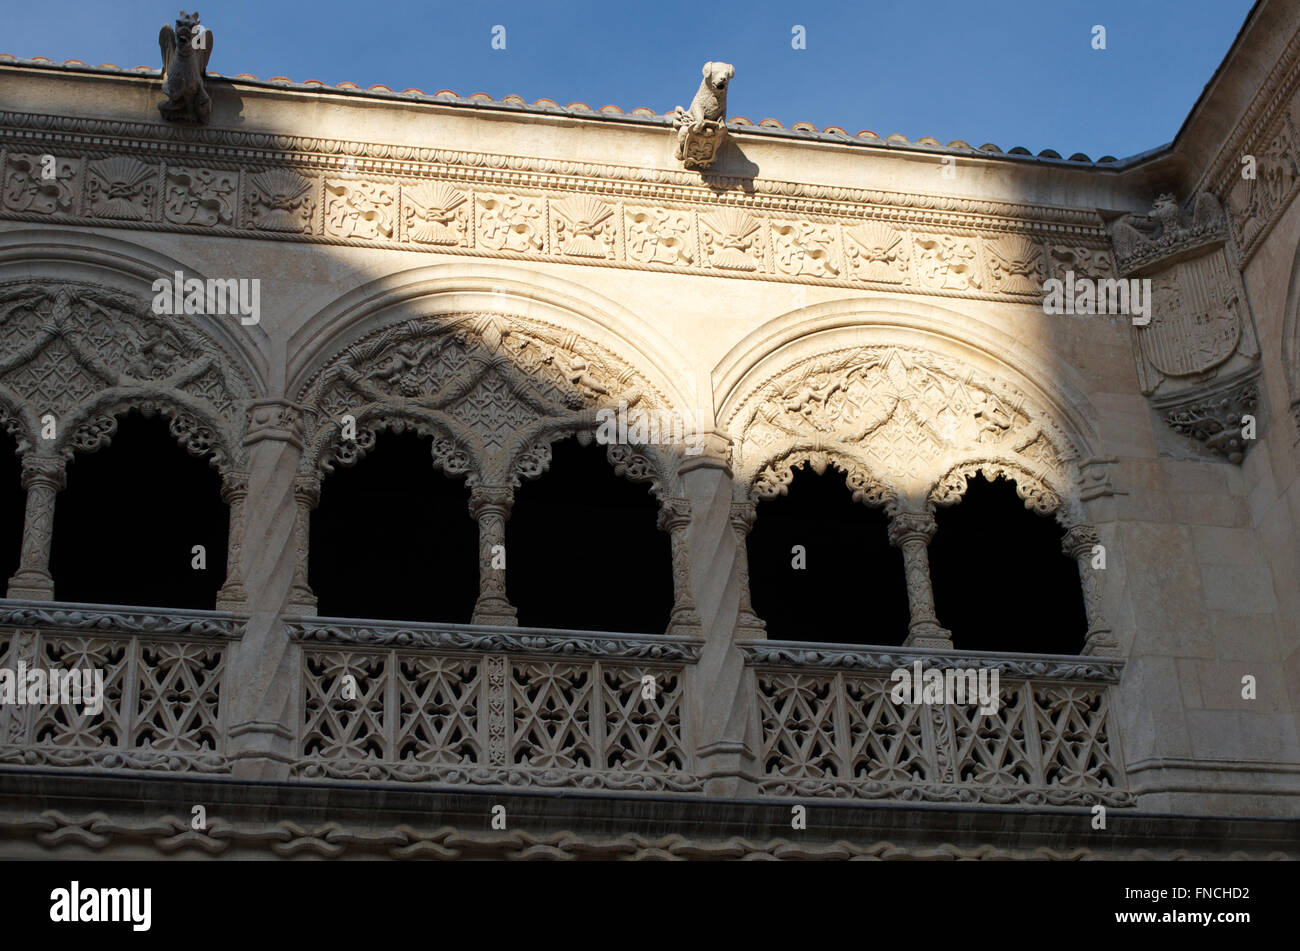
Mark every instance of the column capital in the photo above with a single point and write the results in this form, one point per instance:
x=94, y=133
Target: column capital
x=674, y=514
x=484, y=499
x=234, y=484
x=743, y=515
x=707, y=450
x=911, y=526
x=49, y=470
x=306, y=489
x=275, y=419
x=1079, y=540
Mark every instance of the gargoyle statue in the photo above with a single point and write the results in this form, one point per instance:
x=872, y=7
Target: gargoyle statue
x=185, y=54
x=701, y=129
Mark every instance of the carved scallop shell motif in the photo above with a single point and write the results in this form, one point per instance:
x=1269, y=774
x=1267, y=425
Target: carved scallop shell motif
x=732, y=240
x=1017, y=263
x=121, y=187
x=435, y=213
x=281, y=200
x=590, y=232
x=878, y=240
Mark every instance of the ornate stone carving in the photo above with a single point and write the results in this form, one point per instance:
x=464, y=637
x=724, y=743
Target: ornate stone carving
x=282, y=200
x=877, y=252
x=748, y=624
x=702, y=129
x=1212, y=414
x=491, y=391
x=185, y=54
x=911, y=532
x=905, y=416
x=840, y=735
x=436, y=213
x=1166, y=233
x=659, y=235
x=43, y=478
x=1079, y=543
x=489, y=505
x=200, y=196
x=234, y=490
x=511, y=223
x=1031, y=487
x=802, y=247
x=947, y=262
x=1081, y=260
x=355, y=209
x=121, y=187
x=584, y=226
x=306, y=495
x=732, y=240
x=89, y=352
x=674, y=518
x=29, y=189
x=1196, y=321
x=1016, y=264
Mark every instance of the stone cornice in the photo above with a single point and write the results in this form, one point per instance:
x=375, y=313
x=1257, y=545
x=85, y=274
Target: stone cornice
x=484, y=639
x=102, y=619
x=883, y=660
x=330, y=191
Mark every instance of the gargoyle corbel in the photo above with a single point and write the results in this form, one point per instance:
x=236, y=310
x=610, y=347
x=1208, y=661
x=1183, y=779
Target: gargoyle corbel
x=185, y=54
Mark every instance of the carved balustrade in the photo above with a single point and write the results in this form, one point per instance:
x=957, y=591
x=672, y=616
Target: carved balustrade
x=163, y=678
x=829, y=726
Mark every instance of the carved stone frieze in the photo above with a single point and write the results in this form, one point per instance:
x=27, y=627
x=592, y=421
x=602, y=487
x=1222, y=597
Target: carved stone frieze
x=281, y=200
x=200, y=196
x=121, y=187
x=436, y=213
x=40, y=184
x=360, y=209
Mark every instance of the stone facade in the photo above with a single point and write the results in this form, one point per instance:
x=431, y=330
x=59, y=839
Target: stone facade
x=492, y=275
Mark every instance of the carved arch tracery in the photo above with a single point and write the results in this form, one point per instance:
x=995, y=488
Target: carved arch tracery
x=909, y=416
x=85, y=352
x=494, y=391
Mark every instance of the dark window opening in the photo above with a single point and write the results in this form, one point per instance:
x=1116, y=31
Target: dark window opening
x=583, y=549
x=1001, y=581
x=13, y=505
x=392, y=538
x=851, y=588
x=126, y=524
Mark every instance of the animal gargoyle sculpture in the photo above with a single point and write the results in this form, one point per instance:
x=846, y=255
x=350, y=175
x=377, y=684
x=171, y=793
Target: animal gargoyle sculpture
x=185, y=54
x=702, y=128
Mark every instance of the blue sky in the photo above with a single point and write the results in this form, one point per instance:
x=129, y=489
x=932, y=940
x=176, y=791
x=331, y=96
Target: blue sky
x=1010, y=72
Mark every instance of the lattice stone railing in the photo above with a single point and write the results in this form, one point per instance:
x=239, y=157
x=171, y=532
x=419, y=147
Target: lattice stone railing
x=829, y=727
x=162, y=682
x=495, y=706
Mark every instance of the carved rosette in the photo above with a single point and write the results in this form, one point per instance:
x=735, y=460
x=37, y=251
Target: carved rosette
x=490, y=505
x=674, y=517
x=911, y=532
x=1080, y=542
x=43, y=478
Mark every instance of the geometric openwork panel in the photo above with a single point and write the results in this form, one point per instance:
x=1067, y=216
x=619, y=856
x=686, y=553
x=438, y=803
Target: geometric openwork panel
x=161, y=705
x=426, y=716
x=841, y=735
x=484, y=385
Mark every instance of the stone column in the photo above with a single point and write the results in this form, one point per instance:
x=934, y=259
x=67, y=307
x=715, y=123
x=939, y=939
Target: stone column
x=674, y=517
x=306, y=495
x=490, y=507
x=911, y=532
x=748, y=624
x=234, y=490
x=43, y=478
x=268, y=557
x=1078, y=542
x=723, y=688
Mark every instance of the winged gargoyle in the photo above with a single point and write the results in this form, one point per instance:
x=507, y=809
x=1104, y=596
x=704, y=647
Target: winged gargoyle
x=185, y=54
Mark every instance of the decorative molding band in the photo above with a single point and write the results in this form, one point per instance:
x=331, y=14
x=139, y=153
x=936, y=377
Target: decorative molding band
x=444, y=774
x=111, y=759
x=407, y=198
x=51, y=830
x=112, y=619
x=485, y=639
x=1003, y=794
x=1267, y=131
x=800, y=656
